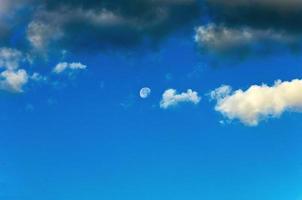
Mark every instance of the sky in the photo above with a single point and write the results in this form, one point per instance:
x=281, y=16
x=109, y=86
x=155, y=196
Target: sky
x=150, y=100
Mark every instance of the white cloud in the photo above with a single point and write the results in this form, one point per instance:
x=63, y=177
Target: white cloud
x=10, y=58
x=13, y=81
x=40, y=34
x=12, y=78
x=171, y=98
x=221, y=92
x=144, y=92
x=259, y=102
x=37, y=77
x=221, y=38
x=60, y=67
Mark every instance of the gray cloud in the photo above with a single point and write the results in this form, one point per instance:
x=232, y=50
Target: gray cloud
x=227, y=40
x=107, y=23
x=72, y=24
x=14, y=16
x=259, y=14
x=244, y=26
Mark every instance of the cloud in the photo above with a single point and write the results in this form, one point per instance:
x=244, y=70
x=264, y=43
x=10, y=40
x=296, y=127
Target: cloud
x=40, y=35
x=5, y=9
x=13, y=81
x=170, y=98
x=244, y=26
x=12, y=78
x=10, y=58
x=222, y=39
x=259, y=14
x=107, y=23
x=259, y=102
x=38, y=77
x=61, y=67
x=98, y=25
x=145, y=92
x=13, y=15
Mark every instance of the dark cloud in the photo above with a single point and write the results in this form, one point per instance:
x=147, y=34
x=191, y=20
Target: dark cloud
x=6, y=8
x=224, y=40
x=242, y=27
x=14, y=16
x=92, y=24
x=283, y=15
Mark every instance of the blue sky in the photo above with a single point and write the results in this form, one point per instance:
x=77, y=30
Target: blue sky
x=73, y=124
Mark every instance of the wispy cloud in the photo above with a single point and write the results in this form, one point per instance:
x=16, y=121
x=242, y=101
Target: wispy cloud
x=63, y=66
x=10, y=58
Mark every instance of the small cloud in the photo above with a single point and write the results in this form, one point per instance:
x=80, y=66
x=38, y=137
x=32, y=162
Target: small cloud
x=37, y=77
x=12, y=78
x=258, y=103
x=220, y=92
x=13, y=81
x=145, y=92
x=10, y=58
x=170, y=98
x=40, y=34
x=61, y=67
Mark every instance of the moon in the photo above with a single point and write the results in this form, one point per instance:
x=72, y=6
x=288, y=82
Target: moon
x=145, y=92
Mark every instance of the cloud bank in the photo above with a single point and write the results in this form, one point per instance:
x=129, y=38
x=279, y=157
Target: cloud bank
x=97, y=25
x=170, y=98
x=238, y=25
x=222, y=39
x=259, y=102
x=258, y=14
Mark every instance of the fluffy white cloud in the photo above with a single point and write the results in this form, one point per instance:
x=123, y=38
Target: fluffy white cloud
x=171, y=98
x=259, y=102
x=221, y=38
x=61, y=67
x=12, y=78
x=144, y=92
x=13, y=81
